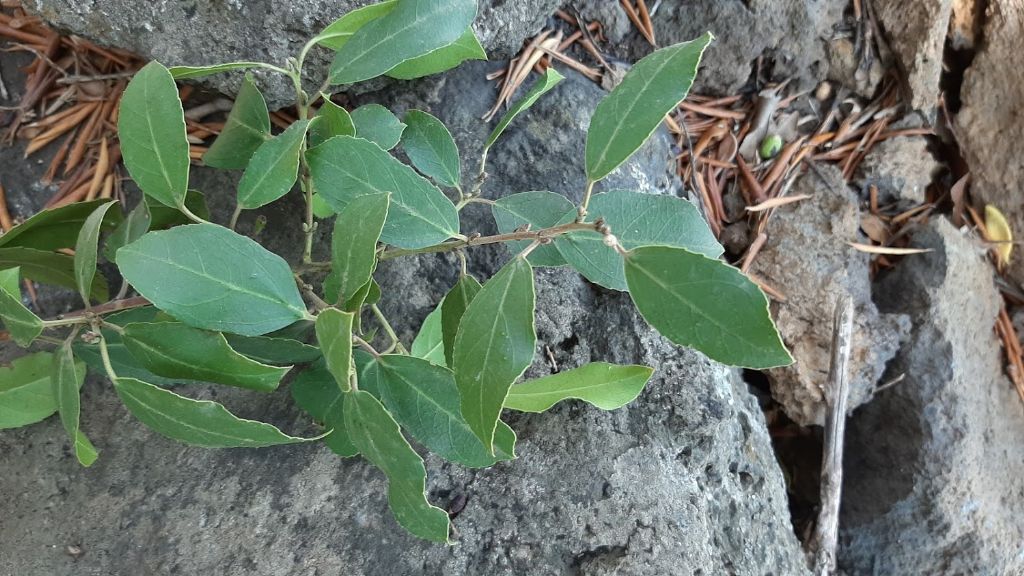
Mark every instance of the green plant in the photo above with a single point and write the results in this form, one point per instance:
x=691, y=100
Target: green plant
x=217, y=307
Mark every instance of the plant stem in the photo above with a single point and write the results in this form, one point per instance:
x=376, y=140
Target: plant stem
x=188, y=213
x=105, y=355
x=451, y=245
x=582, y=214
x=309, y=228
x=365, y=346
x=234, y=217
x=395, y=343
x=66, y=322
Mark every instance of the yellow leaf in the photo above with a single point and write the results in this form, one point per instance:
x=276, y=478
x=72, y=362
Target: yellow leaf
x=999, y=232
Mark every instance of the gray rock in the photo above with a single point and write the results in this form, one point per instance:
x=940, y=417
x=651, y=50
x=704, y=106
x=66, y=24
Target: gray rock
x=901, y=168
x=991, y=122
x=808, y=260
x=916, y=31
x=934, y=473
x=681, y=481
x=791, y=32
x=201, y=32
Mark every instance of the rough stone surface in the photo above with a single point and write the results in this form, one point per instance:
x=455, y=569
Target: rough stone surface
x=203, y=32
x=683, y=481
x=934, y=475
x=901, y=168
x=808, y=260
x=791, y=32
x=991, y=122
x=916, y=31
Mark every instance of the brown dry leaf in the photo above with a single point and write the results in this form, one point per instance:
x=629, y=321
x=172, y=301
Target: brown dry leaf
x=776, y=202
x=875, y=228
x=999, y=232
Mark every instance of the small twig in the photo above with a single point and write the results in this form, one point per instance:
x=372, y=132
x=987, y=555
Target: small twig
x=837, y=393
x=79, y=78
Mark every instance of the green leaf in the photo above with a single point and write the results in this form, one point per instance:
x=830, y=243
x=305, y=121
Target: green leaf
x=22, y=324
x=274, y=351
x=377, y=436
x=196, y=422
x=542, y=85
x=122, y=361
x=131, y=229
x=332, y=120
x=49, y=268
x=209, y=277
x=431, y=148
x=26, y=394
x=174, y=350
x=87, y=249
x=273, y=169
x=494, y=345
x=55, y=228
x=337, y=33
x=607, y=386
x=164, y=217
x=10, y=281
x=377, y=124
x=706, y=304
x=345, y=168
x=334, y=333
x=636, y=219
x=452, y=310
x=429, y=342
x=190, y=72
x=424, y=400
x=316, y=392
x=66, y=378
x=627, y=117
x=247, y=126
x=354, y=244
x=151, y=127
x=539, y=209
x=467, y=47
x=411, y=29
x=321, y=209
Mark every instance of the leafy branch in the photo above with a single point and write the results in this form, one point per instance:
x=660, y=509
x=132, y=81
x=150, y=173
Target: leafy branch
x=215, y=306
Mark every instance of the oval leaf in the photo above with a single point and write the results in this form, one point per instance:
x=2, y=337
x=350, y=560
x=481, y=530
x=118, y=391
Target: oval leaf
x=151, y=127
x=49, y=268
x=354, y=244
x=54, y=228
x=431, y=148
x=87, y=250
x=452, y=310
x=424, y=400
x=377, y=436
x=334, y=333
x=65, y=380
x=377, y=124
x=467, y=47
x=316, y=392
x=174, y=350
x=209, y=277
x=627, y=117
x=606, y=386
x=542, y=85
x=345, y=168
x=273, y=169
x=331, y=120
x=494, y=345
x=275, y=351
x=706, y=304
x=196, y=422
x=247, y=126
x=413, y=28
x=539, y=209
x=636, y=219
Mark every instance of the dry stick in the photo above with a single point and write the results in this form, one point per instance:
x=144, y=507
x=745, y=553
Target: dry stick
x=6, y=222
x=645, y=17
x=827, y=529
